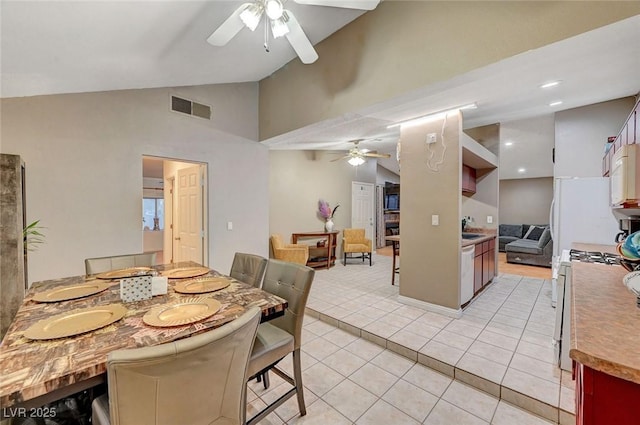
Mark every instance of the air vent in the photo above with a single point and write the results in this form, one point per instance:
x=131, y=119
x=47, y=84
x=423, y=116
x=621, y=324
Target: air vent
x=185, y=106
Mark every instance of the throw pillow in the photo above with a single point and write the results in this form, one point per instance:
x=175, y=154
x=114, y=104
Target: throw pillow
x=545, y=238
x=534, y=233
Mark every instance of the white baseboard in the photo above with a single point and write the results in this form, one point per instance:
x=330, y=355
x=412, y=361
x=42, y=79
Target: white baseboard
x=446, y=311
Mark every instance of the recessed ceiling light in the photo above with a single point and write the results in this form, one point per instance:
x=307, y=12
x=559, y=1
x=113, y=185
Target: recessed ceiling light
x=522, y=170
x=556, y=103
x=549, y=84
x=508, y=143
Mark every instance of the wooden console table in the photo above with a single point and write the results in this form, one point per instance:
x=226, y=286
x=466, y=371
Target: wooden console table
x=320, y=256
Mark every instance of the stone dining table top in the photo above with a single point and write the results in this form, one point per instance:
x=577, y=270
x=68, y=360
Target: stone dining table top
x=34, y=372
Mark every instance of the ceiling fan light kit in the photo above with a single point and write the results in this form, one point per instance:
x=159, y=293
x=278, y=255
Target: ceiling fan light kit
x=251, y=15
x=279, y=27
x=355, y=161
x=356, y=156
x=281, y=21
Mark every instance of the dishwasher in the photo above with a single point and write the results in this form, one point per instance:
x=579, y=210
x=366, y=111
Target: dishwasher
x=467, y=273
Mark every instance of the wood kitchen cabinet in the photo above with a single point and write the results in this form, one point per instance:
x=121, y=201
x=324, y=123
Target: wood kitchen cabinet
x=484, y=265
x=603, y=399
x=629, y=134
x=468, y=180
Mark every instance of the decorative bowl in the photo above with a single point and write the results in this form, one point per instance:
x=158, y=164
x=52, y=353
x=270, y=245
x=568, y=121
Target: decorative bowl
x=625, y=254
x=632, y=244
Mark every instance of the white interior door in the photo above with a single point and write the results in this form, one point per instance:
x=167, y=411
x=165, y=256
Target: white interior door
x=363, y=208
x=189, y=235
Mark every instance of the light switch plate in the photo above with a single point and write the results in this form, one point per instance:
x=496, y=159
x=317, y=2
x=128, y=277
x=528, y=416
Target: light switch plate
x=489, y=219
x=435, y=220
x=229, y=225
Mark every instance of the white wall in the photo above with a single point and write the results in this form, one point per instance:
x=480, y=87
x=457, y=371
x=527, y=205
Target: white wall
x=581, y=135
x=83, y=155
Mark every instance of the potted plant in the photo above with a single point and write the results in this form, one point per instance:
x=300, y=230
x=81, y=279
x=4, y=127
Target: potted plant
x=32, y=237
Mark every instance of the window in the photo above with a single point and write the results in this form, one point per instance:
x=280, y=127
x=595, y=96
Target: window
x=152, y=214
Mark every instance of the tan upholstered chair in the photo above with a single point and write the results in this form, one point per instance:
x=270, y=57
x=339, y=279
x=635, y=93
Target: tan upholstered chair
x=248, y=268
x=354, y=242
x=294, y=253
x=283, y=335
x=106, y=264
x=196, y=380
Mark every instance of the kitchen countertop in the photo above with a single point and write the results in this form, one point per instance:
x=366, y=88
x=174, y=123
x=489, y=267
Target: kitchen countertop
x=484, y=237
x=604, y=320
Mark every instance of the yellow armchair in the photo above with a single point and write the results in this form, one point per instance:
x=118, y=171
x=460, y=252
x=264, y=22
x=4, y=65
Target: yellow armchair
x=293, y=253
x=354, y=241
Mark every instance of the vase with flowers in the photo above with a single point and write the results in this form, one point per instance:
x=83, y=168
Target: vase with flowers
x=326, y=212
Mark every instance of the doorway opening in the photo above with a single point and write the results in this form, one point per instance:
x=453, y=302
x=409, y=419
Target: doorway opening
x=174, y=210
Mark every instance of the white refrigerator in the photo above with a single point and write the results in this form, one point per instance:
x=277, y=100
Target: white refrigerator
x=580, y=212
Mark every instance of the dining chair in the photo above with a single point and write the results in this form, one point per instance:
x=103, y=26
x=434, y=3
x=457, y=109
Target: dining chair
x=354, y=241
x=248, y=268
x=117, y=262
x=295, y=253
x=283, y=335
x=394, y=268
x=192, y=381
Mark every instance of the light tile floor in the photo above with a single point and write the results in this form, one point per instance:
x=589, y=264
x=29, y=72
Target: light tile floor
x=372, y=360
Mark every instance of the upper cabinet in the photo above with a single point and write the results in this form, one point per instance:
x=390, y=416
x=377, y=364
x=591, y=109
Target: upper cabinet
x=468, y=180
x=474, y=157
x=629, y=134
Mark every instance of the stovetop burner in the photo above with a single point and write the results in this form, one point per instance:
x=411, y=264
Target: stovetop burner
x=594, y=257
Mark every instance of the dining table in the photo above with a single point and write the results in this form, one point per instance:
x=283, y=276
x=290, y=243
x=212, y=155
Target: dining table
x=34, y=372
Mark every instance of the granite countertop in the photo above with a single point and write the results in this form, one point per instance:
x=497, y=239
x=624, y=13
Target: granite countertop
x=483, y=238
x=32, y=369
x=604, y=321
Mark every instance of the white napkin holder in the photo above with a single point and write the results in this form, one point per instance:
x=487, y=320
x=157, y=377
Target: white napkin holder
x=159, y=285
x=135, y=288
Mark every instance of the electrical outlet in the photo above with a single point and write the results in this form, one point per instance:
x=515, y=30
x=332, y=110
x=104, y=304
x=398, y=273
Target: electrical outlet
x=489, y=219
x=435, y=220
x=432, y=138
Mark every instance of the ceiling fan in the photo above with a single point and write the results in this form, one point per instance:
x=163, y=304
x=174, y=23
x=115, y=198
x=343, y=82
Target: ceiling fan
x=281, y=21
x=357, y=156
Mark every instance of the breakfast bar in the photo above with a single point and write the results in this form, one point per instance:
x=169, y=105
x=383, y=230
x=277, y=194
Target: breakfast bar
x=36, y=372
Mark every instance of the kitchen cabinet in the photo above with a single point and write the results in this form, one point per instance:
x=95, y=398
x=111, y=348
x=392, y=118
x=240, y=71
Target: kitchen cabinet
x=629, y=135
x=604, y=399
x=484, y=264
x=468, y=180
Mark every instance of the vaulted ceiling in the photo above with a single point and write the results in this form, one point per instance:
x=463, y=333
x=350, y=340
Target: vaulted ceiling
x=55, y=47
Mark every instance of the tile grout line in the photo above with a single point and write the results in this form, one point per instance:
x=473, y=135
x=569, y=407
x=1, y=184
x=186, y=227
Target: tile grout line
x=384, y=342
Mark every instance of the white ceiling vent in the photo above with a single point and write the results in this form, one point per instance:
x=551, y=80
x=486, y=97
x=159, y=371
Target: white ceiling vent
x=189, y=107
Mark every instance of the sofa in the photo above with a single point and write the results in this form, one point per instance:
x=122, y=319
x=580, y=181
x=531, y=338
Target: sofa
x=535, y=248
x=508, y=233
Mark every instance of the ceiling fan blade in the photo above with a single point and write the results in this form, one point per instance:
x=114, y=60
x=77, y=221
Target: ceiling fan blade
x=229, y=28
x=349, y=4
x=377, y=155
x=299, y=40
x=342, y=157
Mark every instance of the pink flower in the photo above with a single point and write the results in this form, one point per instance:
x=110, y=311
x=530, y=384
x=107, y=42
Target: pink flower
x=323, y=209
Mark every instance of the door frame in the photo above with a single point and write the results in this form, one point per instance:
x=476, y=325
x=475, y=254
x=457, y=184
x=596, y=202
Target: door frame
x=170, y=166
